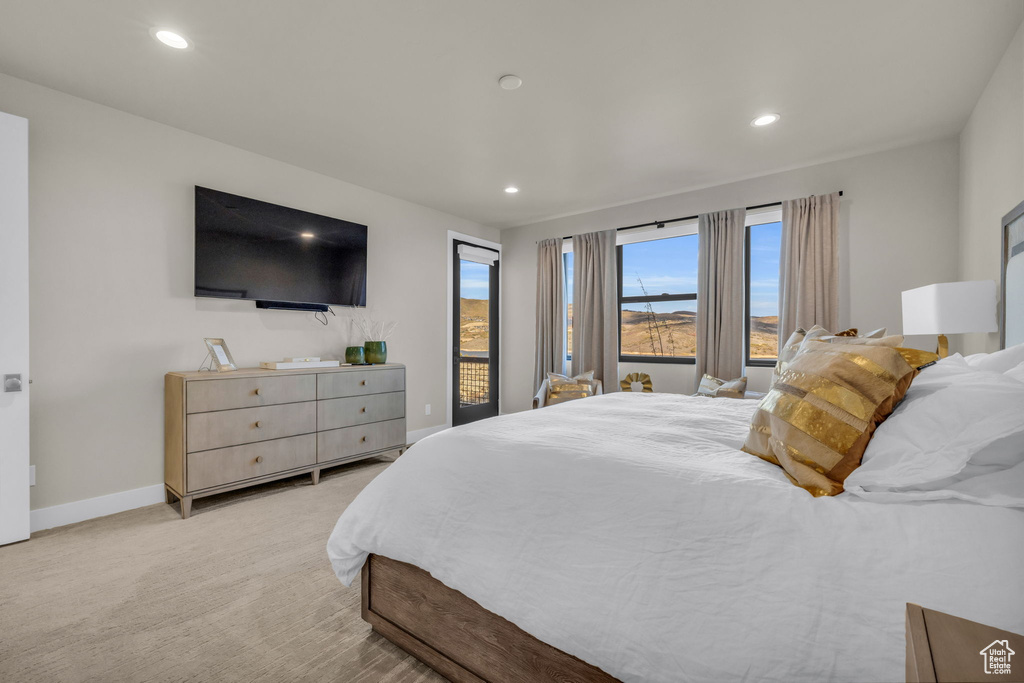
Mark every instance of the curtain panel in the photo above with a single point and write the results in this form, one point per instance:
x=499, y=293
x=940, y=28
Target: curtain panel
x=809, y=264
x=720, y=295
x=595, y=320
x=550, y=355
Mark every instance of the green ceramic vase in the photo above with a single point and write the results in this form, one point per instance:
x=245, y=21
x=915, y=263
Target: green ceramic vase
x=376, y=352
x=354, y=354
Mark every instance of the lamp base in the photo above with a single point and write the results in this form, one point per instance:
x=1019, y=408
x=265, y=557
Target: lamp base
x=943, y=349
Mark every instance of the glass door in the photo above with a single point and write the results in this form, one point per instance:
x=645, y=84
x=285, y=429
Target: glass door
x=475, y=334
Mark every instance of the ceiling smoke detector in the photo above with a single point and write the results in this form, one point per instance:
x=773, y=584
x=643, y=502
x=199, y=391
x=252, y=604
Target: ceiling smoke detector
x=510, y=82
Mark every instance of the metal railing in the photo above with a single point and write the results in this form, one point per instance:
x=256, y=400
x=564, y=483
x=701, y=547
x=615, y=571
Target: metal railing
x=474, y=380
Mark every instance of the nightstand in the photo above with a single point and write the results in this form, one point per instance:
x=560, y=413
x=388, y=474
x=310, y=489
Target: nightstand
x=941, y=647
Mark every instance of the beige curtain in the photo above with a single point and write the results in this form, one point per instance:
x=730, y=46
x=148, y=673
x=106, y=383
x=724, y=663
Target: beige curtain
x=550, y=311
x=720, y=295
x=595, y=337
x=809, y=264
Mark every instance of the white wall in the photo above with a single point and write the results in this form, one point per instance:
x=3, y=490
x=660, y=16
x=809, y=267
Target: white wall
x=898, y=230
x=991, y=175
x=111, y=249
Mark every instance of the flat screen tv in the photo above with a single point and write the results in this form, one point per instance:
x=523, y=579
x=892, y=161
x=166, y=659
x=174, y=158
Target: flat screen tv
x=276, y=256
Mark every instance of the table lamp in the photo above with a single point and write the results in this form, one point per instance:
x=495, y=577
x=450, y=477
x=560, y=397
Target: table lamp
x=950, y=308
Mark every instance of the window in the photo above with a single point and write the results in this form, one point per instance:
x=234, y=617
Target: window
x=658, y=300
x=763, y=246
x=567, y=277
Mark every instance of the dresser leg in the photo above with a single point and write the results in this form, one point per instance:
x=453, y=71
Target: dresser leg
x=186, y=507
x=168, y=496
x=315, y=474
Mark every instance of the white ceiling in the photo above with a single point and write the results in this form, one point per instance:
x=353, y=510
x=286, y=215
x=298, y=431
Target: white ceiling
x=621, y=100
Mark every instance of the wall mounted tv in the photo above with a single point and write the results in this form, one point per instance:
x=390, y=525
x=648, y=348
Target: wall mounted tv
x=276, y=256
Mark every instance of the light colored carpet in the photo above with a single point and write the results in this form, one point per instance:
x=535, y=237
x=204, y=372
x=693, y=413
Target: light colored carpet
x=241, y=591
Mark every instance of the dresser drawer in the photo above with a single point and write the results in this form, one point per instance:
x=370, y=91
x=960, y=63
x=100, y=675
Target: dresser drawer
x=359, y=383
x=228, y=465
x=232, y=427
x=348, y=441
x=226, y=394
x=357, y=410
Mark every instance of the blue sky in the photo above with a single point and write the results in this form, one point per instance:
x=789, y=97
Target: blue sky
x=669, y=266
x=474, y=282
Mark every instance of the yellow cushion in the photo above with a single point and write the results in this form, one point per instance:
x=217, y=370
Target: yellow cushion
x=562, y=388
x=801, y=337
x=720, y=388
x=818, y=418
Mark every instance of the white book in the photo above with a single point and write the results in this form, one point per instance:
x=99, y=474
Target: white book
x=304, y=359
x=298, y=365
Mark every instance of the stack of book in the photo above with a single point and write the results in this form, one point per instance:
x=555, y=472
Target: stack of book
x=300, y=363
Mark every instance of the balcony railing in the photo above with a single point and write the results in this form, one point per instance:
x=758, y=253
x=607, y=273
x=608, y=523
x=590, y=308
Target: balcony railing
x=474, y=380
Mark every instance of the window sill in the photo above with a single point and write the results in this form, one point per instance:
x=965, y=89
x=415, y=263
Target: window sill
x=677, y=360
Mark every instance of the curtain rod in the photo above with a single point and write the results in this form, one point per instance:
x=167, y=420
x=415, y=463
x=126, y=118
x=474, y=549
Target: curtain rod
x=661, y=224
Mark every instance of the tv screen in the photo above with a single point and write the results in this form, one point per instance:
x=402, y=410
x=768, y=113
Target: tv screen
x=248, y=249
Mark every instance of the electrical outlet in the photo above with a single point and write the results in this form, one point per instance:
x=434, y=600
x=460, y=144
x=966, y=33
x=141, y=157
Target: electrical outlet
x=31, y=475
x=428, y=409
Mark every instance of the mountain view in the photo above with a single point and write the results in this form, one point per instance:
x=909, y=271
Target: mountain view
x=474, y=325
x=643, y=333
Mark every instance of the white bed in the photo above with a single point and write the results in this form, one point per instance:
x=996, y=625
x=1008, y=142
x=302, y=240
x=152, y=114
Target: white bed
x=629, y=530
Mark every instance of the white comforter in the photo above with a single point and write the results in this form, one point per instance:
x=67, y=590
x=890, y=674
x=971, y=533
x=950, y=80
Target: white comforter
x=628, y=530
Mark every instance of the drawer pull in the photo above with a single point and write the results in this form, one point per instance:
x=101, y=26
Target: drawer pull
x=259, y=458
x=363, y=409
x=362, y=440
x=363, y=383
x=259, y=392
x=258, y=424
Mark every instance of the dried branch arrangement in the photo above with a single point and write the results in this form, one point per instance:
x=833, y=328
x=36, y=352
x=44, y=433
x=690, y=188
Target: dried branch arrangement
x=373, y=330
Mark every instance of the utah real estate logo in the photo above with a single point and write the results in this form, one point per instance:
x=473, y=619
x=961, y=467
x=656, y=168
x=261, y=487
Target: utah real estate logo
x=997, y=657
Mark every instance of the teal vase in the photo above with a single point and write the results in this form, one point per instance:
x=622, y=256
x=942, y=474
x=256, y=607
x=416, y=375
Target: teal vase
x=354, y=355
x=376, y=352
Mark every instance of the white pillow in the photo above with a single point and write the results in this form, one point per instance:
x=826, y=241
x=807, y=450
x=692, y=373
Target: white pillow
x=959, y=433
x=1016, y=373
x=998, y=361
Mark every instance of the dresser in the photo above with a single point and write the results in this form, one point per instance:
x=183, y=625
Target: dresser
x=225, y=431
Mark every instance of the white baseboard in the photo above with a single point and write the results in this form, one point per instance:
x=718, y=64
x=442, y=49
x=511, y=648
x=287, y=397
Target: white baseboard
x=413, y=437
x=101, y=506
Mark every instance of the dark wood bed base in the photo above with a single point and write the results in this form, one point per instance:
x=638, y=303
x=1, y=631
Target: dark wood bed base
x=454, y=635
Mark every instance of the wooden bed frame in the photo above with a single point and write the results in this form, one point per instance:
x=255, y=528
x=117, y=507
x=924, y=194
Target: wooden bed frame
x=454, y=635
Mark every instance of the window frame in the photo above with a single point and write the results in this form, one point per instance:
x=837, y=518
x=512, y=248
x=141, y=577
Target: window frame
x=754, y=221
x=690, y=296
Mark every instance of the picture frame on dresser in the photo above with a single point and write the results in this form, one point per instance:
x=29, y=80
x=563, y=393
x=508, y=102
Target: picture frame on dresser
x=219, y=355
x=226, y=432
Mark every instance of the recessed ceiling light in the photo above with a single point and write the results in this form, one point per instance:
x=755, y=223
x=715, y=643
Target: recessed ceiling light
x=510, y=82
x=765, y=120
x=170, y=38
x=308, y=235
x=511, y=189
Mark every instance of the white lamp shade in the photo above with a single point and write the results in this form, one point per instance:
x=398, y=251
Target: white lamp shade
x=950, y=308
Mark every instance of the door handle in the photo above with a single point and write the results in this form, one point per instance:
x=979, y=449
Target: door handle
x=12, y=383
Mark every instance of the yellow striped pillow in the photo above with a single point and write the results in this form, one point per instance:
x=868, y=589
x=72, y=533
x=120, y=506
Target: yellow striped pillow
x=817, y=419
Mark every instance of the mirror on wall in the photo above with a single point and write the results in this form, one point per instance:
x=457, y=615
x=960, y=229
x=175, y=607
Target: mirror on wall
x=1012, y=308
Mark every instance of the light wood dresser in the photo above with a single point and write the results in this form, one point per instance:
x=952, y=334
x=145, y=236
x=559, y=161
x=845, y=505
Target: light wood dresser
x=224, y=431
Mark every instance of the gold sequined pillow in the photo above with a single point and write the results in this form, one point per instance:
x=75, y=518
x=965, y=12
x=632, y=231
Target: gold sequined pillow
x=720, y=388
x=818, y=418
x=787, y=352
x=562, y=388
x=801, y=338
